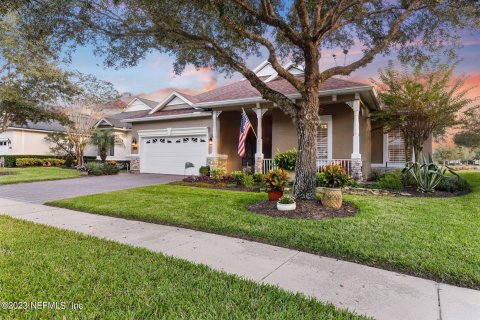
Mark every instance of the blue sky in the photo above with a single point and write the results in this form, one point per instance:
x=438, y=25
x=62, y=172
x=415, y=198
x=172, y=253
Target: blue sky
x=156, y=71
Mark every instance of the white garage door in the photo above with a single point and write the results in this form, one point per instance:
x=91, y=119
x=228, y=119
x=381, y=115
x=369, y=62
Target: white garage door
x=168, y=154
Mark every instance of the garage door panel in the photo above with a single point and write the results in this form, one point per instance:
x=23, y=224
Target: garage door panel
x=169, y=154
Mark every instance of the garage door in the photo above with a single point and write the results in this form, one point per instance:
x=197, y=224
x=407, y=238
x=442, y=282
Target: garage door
x=168, y=154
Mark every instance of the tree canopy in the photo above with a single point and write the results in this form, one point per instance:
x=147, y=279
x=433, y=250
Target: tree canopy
x=470, y=134
x=421, y=102
x=30, y=81
x=224, y=34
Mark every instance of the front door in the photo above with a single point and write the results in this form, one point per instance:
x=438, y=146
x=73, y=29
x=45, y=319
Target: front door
x=248, y=161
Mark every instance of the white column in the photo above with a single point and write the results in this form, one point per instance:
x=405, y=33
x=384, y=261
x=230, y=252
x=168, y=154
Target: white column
x=356, y=129
x=215, y=115
x=260, y=112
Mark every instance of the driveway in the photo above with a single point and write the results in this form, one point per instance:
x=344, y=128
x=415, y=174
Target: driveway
x=41, y=192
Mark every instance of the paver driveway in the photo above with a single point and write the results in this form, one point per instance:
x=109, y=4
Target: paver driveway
x=41, y=192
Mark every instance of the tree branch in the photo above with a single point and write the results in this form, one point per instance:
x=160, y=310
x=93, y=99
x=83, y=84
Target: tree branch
x=269, y=17
x=370, y=54
x=304, y=17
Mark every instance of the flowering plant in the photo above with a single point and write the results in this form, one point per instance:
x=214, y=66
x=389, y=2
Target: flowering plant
x=276, y=179
x=335, y=176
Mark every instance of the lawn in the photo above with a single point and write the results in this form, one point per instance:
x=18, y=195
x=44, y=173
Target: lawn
x=432, y=238
x=36, y=174
x=114, y=281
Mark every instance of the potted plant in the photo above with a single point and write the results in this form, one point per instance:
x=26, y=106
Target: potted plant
x=335, y=177
x=287, y=160
x=286, y=203
x=276, y=180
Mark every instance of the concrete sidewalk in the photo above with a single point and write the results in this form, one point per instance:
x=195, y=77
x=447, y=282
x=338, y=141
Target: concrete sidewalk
x=365, y=290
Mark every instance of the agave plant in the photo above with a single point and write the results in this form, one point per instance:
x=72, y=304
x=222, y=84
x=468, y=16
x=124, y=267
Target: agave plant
x=427, y=174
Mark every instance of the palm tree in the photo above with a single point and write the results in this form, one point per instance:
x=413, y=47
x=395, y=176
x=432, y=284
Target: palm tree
x=104, y=139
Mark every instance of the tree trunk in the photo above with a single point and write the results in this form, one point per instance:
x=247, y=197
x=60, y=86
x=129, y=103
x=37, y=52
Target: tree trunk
x=306, y=124
x=103, y=154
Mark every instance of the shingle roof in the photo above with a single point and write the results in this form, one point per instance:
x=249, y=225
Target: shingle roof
x=116, y=119
x=43, y=126
x=160, y=113
x=243, y=89
x=150, y=103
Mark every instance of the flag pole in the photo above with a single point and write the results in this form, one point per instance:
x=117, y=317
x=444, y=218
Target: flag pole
x=249, y=121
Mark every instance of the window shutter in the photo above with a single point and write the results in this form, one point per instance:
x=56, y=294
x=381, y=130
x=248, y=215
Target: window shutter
x=322, y=141
x=396, y=147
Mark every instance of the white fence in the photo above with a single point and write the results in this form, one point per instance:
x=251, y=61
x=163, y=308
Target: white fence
x=269, y=164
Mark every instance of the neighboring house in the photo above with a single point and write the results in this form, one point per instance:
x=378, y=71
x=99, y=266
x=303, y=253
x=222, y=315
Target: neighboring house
x=204, y=129
x=30, y=139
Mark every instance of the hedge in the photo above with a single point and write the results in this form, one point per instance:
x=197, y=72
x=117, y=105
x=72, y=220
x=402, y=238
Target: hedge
x=35, y=162
x=11, y=160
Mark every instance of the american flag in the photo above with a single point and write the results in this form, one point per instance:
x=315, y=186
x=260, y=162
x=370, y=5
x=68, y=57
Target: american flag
x=245, y=126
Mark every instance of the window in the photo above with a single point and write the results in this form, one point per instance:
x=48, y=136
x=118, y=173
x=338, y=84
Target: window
x=3, y=143
x=396, y=147
x=322, y=141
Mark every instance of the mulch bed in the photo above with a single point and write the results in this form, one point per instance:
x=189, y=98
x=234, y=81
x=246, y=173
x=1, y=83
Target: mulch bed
x=6, y=173
x=211, y=185
x=306, y=209
x=437, y=194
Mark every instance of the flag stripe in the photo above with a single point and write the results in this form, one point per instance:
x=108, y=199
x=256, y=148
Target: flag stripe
x=245, y=126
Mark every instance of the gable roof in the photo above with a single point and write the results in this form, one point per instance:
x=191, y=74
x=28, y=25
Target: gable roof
x=187, y=98
x=150, y=103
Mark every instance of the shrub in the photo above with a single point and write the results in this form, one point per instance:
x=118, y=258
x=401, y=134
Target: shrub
x=389, y=181
x=286, y=160
x=276, y=179
x=100, y=169
x=237, y=176
x=36, y=162
x=11, y=160
x=335, y=176
x=258, y=177
x=217, y=173
x=376, y=174
x=204, y=171
x=243, y=178
x=453, y=184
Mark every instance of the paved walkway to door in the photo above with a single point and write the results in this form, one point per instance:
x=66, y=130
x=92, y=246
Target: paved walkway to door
x=41, y=192
x=365, y=290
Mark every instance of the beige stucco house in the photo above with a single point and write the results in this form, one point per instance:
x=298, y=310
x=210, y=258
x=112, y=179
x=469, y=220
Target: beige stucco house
x=30, y=139
x=204, y=129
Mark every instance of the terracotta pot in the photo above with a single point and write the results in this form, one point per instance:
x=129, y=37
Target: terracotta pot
x=274, y=195
x=332, y=198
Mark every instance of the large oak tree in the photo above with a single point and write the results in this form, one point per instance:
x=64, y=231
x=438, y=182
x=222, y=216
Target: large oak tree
x=223, y=34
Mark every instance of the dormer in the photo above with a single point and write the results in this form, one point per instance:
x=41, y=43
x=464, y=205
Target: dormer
x=174, y=101
x=265, y=69
x=140, y=104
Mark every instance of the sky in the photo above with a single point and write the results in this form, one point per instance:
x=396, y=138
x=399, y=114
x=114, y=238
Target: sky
x=153, y=78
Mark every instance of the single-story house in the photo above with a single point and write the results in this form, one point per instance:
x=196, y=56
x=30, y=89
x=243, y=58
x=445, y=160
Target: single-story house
x=203, y=129
x=30, y=139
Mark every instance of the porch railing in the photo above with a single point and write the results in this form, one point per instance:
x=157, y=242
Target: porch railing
x=269, y=164
x=344, y=163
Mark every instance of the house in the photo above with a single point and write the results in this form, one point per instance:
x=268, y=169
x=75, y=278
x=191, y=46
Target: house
x=30, y=139
x=203, y=129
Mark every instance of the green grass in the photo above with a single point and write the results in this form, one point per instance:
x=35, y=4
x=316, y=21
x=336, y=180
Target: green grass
x=435, y=238
x=36, y=174
x=114, y=281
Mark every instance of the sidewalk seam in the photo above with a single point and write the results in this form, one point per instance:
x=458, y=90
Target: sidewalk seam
x=281, y=265
x=439, y=304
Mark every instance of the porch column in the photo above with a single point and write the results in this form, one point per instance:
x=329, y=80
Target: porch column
x=356, y=157
x=214, y=159
x=259, y=154
x=215, y=115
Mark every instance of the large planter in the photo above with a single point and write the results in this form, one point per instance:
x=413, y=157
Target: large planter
x=332, y=198
x=291, y=176
x=274, y=195
x=286, y=206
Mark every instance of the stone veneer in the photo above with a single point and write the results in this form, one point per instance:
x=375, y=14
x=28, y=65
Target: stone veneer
x=135, y=164
x=259, y=164
x=217, y=161
x=356, y=169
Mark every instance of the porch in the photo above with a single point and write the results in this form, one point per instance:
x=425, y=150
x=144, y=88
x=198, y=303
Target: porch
x=342, y=136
